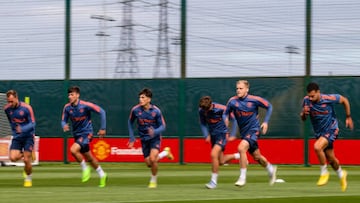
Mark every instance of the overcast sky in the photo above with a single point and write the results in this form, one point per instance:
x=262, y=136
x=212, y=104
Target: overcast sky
x=224, y=39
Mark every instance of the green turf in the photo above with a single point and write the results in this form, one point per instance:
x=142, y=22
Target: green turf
x=57, y=182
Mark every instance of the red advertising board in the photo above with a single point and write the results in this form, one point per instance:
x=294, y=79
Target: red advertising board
x=105, y=150
x=196, y=150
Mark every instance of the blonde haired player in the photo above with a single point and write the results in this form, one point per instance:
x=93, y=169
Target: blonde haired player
x=22, y=121
x=245, y=108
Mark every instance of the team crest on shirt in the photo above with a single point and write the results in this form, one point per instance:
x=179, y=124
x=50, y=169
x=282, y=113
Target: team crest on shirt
x=71, y=111
x=249, y=104
x=153, y=114
x=323, y=105
x=21, y=113
x=81, y=110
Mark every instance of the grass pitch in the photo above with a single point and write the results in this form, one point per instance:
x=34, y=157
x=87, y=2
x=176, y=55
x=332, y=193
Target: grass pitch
x=127, y=182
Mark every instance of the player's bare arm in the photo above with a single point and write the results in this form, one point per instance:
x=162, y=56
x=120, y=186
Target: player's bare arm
x=18, y=128
x=348, y=122
x=208, y=139
x=130, y=144
x=151, y=131
x=230, y=138
x=66, y=128
x=102, y=133
x=305, y=112
x=264, y=128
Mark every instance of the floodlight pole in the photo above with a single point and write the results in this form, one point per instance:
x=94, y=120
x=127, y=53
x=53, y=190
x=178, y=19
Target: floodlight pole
x=307, y=78
x=182, y=93
x=67, y=64
x=291, y=49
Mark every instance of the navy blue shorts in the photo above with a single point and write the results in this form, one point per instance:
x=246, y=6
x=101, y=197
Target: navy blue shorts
x=84, y=142
x=252, y=138
x=331, y=137
x=219, y=139
x=25, y=143
x=147, y=145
